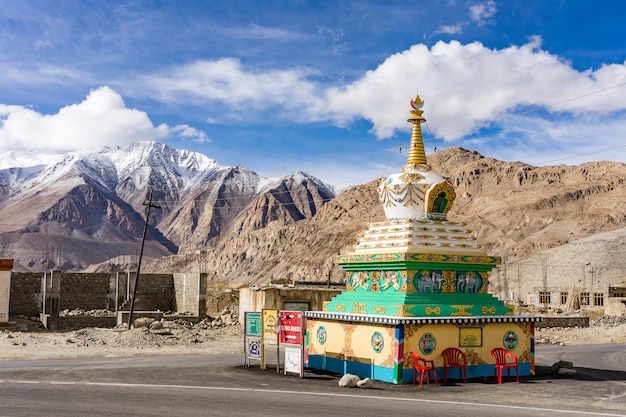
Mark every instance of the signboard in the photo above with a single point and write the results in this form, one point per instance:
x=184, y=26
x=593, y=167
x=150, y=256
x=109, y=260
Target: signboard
x=252, y=337
x=270, y=335
x=291, y=327
x=270, y=321
x=253, y=345
x=293, y=361
x=253, y=324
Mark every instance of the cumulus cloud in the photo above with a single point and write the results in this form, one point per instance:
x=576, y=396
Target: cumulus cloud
x=242, y=90
x=102, y=119
x=467, y=87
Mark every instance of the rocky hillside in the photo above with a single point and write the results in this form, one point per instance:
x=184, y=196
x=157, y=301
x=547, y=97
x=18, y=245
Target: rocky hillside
x=88, y=207
x=516, y=210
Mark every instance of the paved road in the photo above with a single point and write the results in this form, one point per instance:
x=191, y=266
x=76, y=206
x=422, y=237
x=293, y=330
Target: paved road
x=219, y=385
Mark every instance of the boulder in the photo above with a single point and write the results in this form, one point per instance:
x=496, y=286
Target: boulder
x=142, y=322
x=365, y=383
x=563, y=368
x=156, y=325
x=349, y=381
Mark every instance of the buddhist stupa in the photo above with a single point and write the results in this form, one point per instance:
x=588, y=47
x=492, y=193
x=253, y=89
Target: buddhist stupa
x=416, y=262
x=415, y=282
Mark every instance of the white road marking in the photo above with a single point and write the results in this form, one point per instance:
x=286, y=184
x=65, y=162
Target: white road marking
x=321, y=394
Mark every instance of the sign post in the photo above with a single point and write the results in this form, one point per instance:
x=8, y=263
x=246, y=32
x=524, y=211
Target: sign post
x=291, y=335
x=252, y=339
x=270, y=335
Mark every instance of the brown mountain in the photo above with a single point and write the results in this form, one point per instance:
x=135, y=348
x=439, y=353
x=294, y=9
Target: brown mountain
x=516, y=210
x=88, y=207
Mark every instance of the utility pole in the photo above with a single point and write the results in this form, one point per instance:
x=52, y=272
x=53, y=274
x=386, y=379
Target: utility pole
x=143, y=241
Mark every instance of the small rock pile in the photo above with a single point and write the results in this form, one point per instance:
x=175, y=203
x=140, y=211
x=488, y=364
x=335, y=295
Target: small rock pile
x=81, y=312
x=228, y=317
x=609, y=321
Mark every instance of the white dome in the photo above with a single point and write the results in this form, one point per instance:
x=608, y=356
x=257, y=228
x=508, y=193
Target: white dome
x=415, y=193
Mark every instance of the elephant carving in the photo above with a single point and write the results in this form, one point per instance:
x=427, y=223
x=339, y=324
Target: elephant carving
x=431, y=282
x=467, y=283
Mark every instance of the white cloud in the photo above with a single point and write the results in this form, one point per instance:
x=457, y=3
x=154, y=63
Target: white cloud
x=450, y=29
x=226, y=81
x=570, y=141
x=102, y=119
x=466, y=87
x=261, y=32
x=481, y=11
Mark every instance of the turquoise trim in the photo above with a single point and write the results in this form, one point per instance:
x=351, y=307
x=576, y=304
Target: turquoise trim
x=473, y=371
x=342, y=367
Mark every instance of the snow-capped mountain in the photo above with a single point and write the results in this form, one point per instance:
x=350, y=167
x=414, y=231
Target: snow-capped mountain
x=72, y=210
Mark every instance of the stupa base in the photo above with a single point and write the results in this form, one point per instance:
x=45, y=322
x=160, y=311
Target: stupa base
x=378, y=347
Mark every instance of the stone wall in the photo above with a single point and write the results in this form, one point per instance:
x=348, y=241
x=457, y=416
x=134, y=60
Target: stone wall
x=577, y=321
x=32, y=292
x=26, y=297
x=155, y=292
x=86, y=291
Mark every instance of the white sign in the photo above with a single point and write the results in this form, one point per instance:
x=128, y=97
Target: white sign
x=293, y=360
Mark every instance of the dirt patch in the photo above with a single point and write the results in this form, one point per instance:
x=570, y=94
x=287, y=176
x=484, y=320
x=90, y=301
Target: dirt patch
x=173, y=338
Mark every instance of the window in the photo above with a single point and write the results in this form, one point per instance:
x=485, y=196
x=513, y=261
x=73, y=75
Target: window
x=598, y=299
x=584, y=298
x=544, y=297
x=563, y=298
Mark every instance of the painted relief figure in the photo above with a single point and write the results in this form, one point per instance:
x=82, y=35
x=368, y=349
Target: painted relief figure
x=468, y=283
x=429, y=282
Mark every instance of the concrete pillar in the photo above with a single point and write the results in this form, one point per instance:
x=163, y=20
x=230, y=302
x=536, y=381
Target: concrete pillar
x=51, y=288
x=190, y=293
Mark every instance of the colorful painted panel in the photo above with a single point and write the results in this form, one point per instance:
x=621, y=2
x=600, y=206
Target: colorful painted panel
x=428, y=343
x=321, y=335
x=428, y=281
x=377, y=342
x=470, y=337
x=509, y=341
x=468, y=282
x=390, y=280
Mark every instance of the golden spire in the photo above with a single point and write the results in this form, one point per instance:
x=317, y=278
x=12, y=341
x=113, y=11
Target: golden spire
x=417, y=155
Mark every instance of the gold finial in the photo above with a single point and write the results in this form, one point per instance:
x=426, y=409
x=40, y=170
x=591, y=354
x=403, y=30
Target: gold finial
x=417, y=155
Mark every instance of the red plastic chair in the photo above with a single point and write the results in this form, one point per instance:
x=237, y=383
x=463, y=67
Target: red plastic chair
x=454, y=358
x=501, y=355
x=421, y=366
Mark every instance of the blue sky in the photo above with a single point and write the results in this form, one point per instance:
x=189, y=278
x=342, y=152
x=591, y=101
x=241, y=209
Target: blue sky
x=318, y=86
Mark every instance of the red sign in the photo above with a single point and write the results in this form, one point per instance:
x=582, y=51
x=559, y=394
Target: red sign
x=291, y=327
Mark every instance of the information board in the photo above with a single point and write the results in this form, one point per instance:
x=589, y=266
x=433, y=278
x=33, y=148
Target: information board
x=254, y=324
x=252, y=338
x=270, y=323
x=291, y=327
x=293, y=361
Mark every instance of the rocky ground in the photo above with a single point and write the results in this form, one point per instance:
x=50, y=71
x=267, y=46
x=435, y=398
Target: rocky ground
x=219, y=335
x=606, y=329
x=180, y=337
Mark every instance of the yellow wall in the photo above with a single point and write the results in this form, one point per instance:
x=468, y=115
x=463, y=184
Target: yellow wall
x=448, y=335
x=352, y=342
